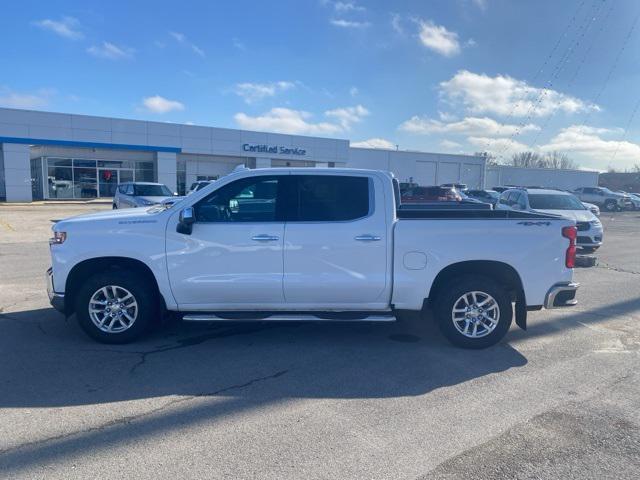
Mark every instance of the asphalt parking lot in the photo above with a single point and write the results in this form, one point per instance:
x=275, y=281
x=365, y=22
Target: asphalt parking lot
x=317, y=400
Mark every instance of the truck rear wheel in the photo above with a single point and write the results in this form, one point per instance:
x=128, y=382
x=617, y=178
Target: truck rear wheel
x=474, y=311
x=116, y=306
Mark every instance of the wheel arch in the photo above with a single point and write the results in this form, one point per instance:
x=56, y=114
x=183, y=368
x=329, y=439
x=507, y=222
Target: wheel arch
x=86, y=268
x=501, y=272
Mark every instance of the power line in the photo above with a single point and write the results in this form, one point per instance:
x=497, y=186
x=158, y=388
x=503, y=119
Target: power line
x=614, y=65
x=563, y=35
x=575, y=73
x=581, y=32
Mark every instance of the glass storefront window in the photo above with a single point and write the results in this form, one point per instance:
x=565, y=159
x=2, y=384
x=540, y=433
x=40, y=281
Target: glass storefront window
x=145, y=176
x=114, y=164
x=84, y=163
x=60, y=182
x=84, y=183
x=59, y=162
x=68, y=178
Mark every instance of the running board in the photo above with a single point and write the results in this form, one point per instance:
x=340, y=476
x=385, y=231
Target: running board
x=290, y=317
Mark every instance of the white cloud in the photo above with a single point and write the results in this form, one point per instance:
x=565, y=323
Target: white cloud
x=347, y=116
x=589, y=144
x=474, y=126
x=504, y=95
x=158, y=104
x=348, y=7
x=439, y=39
x=239, y=45
x=182, y=39
x=110, y=51
x=450, y=144
x=353, y=91
x=499, y=146
x=481, y=4
x=342, y=23
x=67, y=27
x=396, y=23
x=12, y=99
x=254, y=92
x=374, y=143
x=286, y=120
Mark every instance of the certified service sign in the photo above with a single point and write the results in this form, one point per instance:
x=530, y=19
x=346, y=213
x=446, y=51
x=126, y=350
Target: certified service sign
x=278, y=150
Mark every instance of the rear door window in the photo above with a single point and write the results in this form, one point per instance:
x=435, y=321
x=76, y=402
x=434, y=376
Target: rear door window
x=331, y=198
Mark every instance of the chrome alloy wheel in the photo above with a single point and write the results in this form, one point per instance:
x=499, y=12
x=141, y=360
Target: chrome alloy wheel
x=475, y=314
x=113, y=309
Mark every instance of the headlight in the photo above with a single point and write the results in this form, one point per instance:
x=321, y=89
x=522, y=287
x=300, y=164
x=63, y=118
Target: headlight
x=595, y=223
x=58, y=238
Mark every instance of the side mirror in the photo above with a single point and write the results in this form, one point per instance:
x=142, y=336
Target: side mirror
x=186, y=220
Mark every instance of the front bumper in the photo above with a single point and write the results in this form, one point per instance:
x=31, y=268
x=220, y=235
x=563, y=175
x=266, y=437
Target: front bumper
x=590, y=238
x=55, y=299
x=561, y=295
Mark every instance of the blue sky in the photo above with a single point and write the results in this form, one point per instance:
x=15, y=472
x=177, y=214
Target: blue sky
x=446, y=76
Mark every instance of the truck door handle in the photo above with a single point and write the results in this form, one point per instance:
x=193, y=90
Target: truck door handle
x=264, y=238
x=367, y=238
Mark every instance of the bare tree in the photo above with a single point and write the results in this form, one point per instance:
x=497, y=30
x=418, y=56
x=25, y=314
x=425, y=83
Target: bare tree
x=537, y=160
x=490, y=158
x=527, y=160
x=557, y=159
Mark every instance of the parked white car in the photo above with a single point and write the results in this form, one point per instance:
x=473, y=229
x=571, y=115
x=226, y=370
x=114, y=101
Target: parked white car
x=592, y=208
x=557, y=202
x=635, y=199
x=142, y=194
x=309, y=244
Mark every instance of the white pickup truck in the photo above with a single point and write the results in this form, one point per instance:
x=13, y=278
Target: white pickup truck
x=309, y=244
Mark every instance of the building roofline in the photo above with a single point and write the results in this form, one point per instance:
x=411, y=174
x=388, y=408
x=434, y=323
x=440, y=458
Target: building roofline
x=76, y=143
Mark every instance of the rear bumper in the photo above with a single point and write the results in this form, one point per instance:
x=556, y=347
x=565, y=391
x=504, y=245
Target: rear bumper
x=561, y=295
x=55, y=299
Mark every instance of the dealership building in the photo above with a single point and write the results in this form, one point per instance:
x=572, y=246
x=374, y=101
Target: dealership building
x=48, y=156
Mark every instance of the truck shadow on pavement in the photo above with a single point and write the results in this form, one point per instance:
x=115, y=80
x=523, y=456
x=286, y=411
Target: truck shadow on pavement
x=209, y=372
x=50, y=363
x=202, y=374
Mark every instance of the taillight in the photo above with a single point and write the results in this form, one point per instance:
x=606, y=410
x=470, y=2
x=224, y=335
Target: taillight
x=570, y=257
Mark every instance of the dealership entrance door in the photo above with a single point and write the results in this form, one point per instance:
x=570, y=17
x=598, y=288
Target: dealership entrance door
x=109, y=178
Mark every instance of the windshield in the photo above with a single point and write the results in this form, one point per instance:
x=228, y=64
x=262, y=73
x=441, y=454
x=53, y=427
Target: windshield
x=152, y=191
x=555, y=202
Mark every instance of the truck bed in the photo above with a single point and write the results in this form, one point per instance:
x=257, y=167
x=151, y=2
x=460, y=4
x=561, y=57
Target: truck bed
x=470, y=214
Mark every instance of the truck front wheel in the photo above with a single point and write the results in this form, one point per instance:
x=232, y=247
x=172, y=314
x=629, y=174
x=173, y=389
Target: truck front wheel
x=115, y=306
x=473, y=311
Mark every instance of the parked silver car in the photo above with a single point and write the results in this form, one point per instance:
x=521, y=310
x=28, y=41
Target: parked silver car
x=604, y=198
x=141, y=194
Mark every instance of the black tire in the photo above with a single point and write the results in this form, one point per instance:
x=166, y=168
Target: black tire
x=138, y=285
x=113, y=207
x=611, y=206
x=453, y=291
x=588, y=249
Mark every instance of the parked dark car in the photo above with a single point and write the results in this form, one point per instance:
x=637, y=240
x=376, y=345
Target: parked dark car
x=429, y=194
